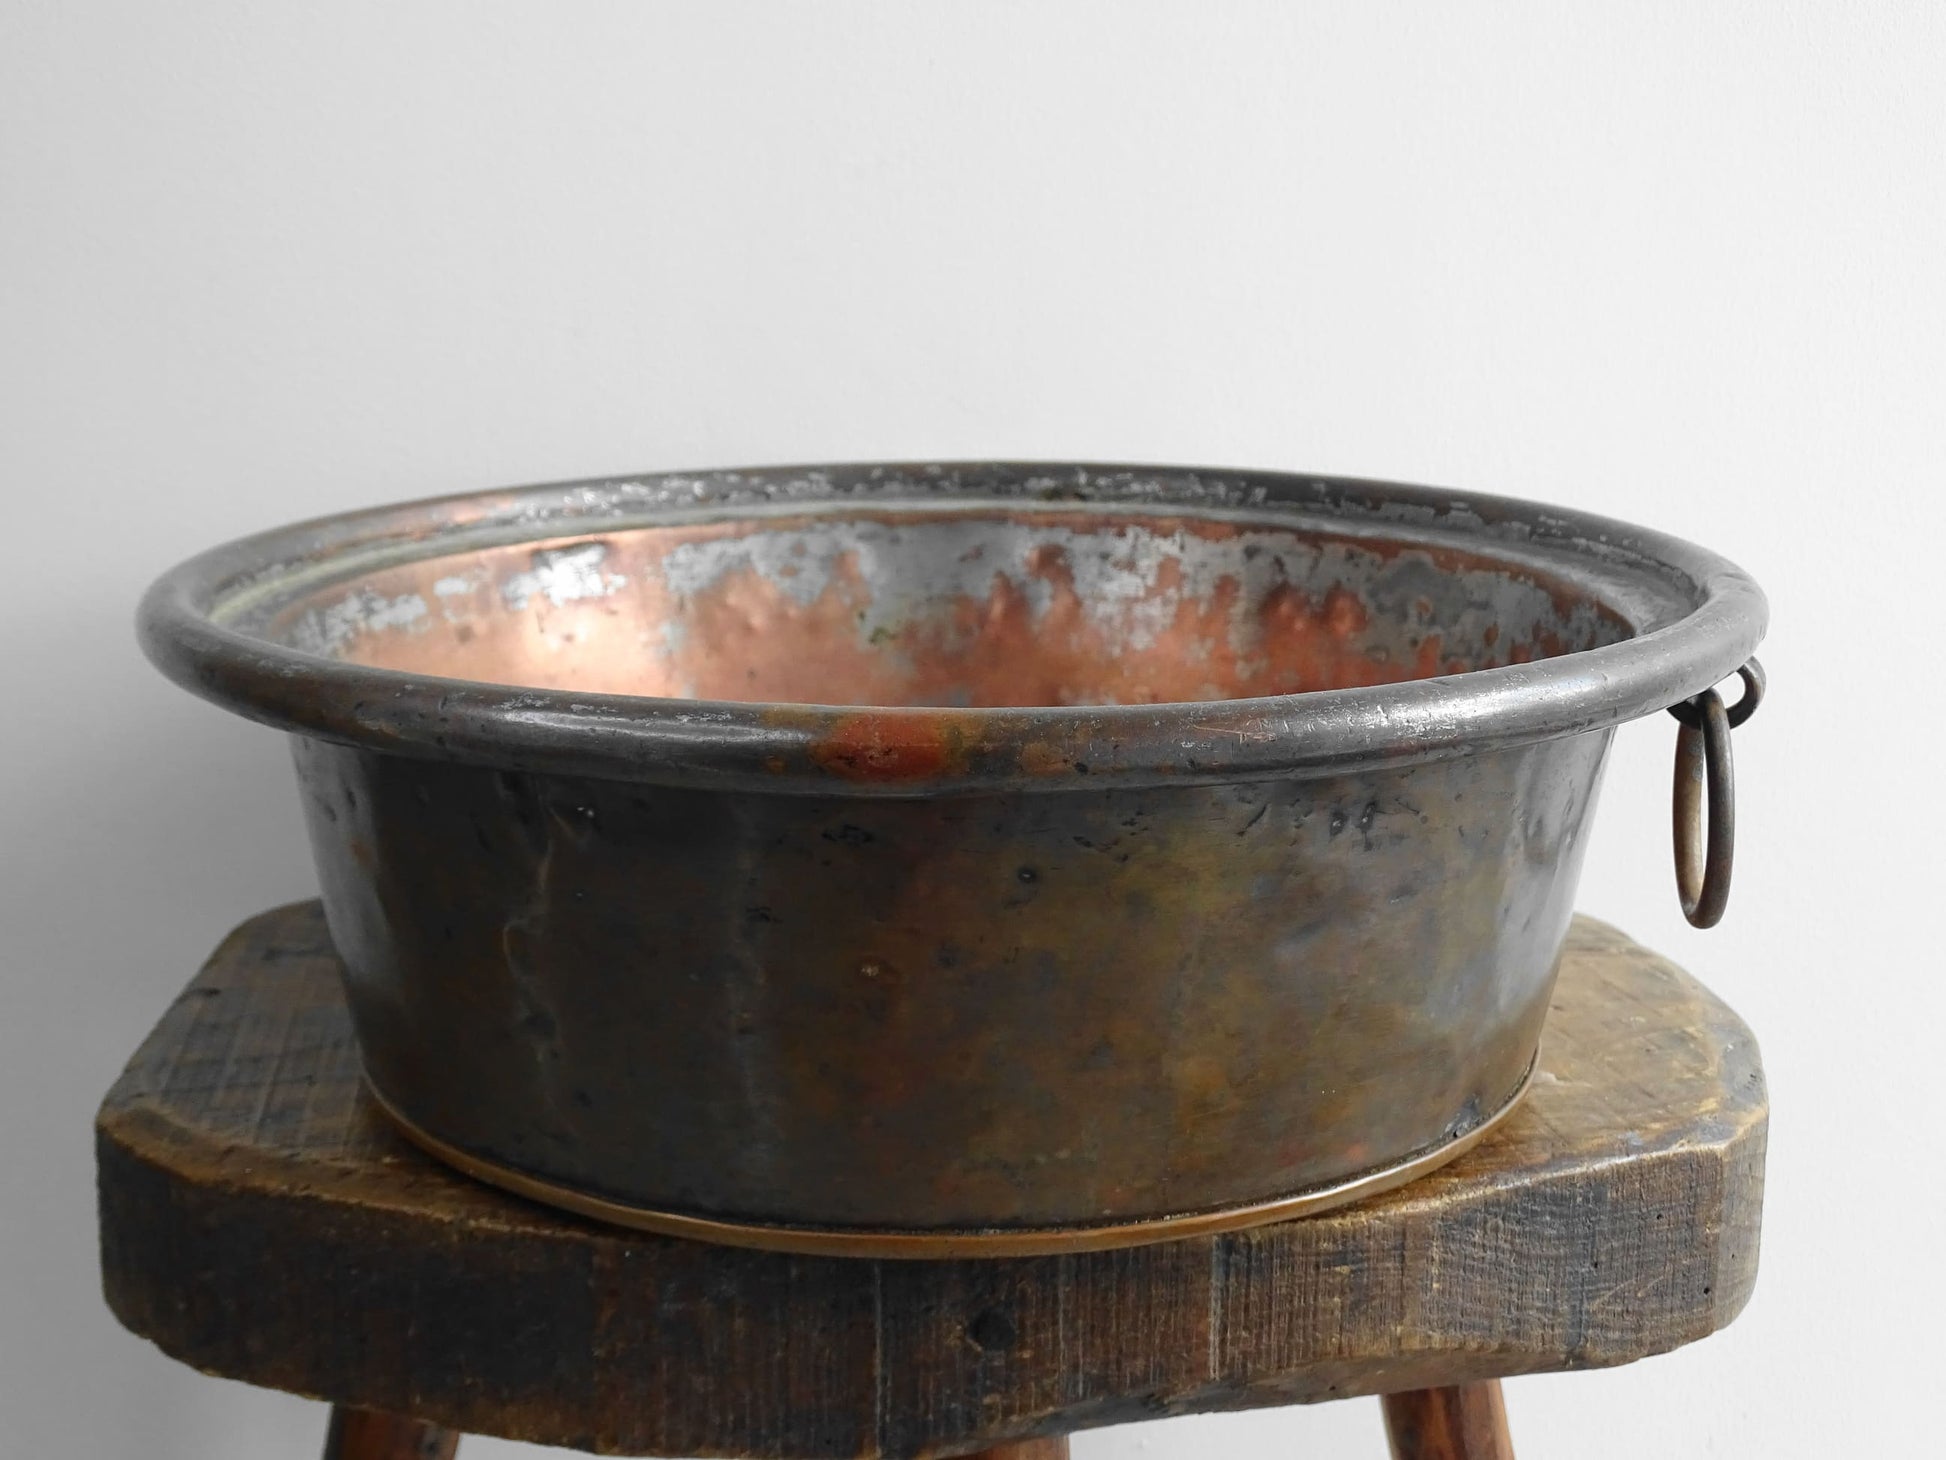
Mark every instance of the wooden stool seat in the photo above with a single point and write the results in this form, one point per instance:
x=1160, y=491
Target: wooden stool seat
x=260, y=1220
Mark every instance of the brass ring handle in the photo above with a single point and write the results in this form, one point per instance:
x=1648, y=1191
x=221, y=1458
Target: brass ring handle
x=1704, y=764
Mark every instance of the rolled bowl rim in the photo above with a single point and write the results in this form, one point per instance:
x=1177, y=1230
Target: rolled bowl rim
x=185, y=625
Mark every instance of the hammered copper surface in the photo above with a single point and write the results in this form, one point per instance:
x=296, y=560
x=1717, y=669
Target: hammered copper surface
x=960, y=609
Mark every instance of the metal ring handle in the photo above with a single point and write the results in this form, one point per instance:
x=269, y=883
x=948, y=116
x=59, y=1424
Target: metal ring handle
x=1752, y=675
x=1703, y=759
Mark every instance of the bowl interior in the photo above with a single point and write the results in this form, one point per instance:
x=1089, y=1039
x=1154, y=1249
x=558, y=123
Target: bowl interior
x=987, y=605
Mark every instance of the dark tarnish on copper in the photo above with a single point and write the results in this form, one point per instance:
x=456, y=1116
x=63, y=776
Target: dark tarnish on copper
x=902, y=859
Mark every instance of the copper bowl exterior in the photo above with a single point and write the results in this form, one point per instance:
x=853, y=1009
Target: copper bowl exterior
x=922, y=859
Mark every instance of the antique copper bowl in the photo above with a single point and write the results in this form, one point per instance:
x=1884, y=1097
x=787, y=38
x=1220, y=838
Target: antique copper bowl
x=911, y=860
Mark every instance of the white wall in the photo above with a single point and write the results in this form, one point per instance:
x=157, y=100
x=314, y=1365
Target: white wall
x=1682, y=263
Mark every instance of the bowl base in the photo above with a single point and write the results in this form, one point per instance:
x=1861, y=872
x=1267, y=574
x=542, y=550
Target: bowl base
x=936, y=1243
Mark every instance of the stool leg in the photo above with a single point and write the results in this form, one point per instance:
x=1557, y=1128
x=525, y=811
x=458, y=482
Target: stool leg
x=1054, y=1449
x=1460, y=1422
x=369, y=1434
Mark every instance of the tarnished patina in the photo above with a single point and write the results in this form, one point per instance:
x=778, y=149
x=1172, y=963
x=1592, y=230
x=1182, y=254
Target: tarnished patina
x=875, y=858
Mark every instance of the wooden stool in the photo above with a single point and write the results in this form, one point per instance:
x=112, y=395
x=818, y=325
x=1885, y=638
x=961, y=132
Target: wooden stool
x=260, y=1220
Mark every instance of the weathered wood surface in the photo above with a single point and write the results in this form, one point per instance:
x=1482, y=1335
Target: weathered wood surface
x=260, y=1220
x=1460, y=1422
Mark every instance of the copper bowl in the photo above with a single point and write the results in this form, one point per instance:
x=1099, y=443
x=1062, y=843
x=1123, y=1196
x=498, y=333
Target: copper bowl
x=911, y=860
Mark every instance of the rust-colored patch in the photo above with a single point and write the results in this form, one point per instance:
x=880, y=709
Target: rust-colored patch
x=1039, y=758
x=1428, y=663
x=873, y=747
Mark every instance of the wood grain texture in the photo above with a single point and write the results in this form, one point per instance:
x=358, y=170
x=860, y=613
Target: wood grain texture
x=1460, y=1422
x=364, y=1434
x=259, y=1220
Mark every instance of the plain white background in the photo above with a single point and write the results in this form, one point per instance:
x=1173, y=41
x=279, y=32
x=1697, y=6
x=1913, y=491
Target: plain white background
x=1679, y=263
